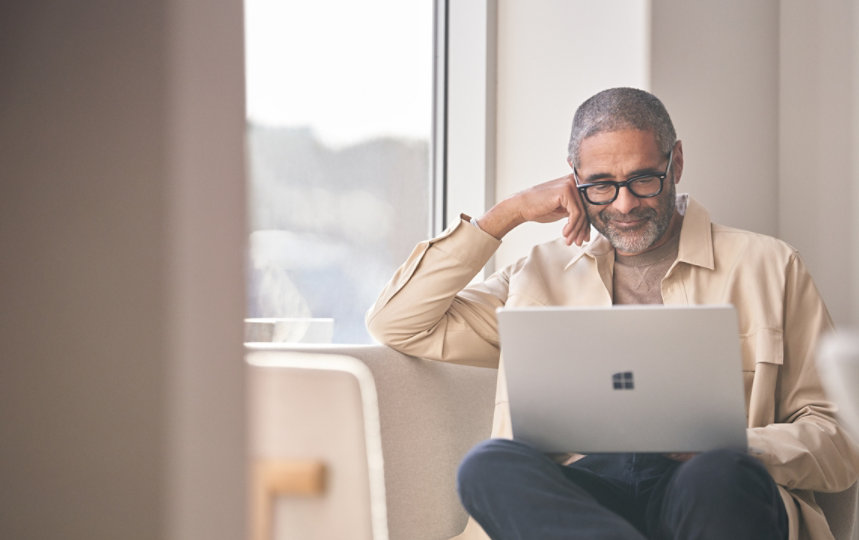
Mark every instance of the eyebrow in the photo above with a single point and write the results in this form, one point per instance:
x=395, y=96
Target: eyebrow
x=647, y=171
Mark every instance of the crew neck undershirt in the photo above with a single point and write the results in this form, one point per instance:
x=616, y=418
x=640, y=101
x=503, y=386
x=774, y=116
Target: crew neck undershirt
x=638, y=278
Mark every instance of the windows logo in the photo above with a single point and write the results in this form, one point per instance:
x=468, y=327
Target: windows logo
x=623, y=381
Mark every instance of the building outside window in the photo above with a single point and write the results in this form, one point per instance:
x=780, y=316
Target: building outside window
x=339, y=129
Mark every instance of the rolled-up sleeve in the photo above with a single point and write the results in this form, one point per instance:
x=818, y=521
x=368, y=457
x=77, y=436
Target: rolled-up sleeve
x=428, y=309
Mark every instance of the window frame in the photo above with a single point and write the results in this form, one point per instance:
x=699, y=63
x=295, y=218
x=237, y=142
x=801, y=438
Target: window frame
x=464, y=131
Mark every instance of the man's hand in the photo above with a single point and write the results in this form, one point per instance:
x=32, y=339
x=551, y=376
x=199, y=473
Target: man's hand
x=543, y=203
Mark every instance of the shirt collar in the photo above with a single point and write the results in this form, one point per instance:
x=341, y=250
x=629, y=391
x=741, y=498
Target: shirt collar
x=596, y=249
x=696, y=235
x=696, y=238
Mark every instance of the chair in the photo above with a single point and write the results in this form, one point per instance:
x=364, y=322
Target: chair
x=429, y=415
x=316, y=456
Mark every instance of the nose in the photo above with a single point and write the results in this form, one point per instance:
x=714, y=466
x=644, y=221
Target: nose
x=625, y=201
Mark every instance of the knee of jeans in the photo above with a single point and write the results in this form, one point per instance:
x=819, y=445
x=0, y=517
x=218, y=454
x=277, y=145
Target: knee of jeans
x=721, y=471
x=486, y=461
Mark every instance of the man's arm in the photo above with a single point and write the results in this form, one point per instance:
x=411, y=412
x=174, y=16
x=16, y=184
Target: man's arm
x=807, y=448
x=428, y=309
x=543, y=203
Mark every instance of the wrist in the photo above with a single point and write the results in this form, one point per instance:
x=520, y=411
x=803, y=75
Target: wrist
x=499, y=220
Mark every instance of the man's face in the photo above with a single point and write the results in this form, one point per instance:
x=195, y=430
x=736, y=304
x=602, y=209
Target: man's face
x=632, y=225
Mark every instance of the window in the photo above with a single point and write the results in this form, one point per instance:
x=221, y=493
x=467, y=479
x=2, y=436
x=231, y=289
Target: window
x=340, y=117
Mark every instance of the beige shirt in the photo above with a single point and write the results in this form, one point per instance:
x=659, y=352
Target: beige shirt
x=429, y=310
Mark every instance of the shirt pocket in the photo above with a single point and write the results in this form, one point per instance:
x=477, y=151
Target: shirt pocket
x=762, y=357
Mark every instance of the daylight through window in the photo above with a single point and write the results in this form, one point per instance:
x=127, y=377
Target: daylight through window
x=339, y=120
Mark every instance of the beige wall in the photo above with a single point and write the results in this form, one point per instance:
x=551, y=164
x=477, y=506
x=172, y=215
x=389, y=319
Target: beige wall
x=854, y=273
x=819, y=134
x=715, y=65
x=121, y=229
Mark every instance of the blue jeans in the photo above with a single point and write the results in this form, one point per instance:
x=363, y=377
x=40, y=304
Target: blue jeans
x=515, y=491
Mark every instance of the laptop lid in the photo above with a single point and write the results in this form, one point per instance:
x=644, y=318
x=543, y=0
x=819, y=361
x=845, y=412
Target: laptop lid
x=643, y=378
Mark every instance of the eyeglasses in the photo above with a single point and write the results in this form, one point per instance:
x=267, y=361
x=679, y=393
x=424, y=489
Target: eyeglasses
x=642, y=186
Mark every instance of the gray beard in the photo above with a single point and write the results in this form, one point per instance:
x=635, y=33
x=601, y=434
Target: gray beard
x=633, y=242
x=657, y=224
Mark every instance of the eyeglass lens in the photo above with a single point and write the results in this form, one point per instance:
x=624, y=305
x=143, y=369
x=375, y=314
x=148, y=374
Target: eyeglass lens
x=605, y=192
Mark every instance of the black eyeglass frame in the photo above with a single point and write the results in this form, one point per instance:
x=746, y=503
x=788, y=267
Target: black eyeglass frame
x=626, y=183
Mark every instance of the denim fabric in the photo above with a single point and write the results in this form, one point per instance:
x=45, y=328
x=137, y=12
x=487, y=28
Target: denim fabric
x=516, y=492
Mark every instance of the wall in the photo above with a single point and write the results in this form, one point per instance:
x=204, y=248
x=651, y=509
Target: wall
x=819, y=134
x=715, y=65
x=854, y=274
x=121, y=228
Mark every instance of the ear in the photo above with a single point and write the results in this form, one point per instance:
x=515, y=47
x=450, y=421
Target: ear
x=677, y=166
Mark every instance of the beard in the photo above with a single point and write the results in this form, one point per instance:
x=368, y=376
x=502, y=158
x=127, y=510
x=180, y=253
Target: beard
x=656, y=221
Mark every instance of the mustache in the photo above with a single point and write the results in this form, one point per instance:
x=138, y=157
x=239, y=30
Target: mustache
x=638, y=213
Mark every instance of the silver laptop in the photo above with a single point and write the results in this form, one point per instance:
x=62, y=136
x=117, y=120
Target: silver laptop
x=645, y=378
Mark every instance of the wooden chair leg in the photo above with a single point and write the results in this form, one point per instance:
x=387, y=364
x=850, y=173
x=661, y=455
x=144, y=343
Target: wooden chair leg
x=272, y=479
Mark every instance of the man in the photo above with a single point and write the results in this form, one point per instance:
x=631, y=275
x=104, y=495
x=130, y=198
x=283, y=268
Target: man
x=656, y=247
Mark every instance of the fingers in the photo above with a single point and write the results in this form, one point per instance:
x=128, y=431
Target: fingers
x=577, y=230
x=552, y=201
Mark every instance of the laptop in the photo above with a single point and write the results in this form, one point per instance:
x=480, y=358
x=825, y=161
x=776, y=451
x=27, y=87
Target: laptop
x=643, y=378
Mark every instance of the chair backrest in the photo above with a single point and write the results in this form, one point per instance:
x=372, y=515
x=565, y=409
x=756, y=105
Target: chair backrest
x=315, y=448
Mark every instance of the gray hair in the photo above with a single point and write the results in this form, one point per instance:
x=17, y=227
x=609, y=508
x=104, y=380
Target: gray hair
x=621, y=108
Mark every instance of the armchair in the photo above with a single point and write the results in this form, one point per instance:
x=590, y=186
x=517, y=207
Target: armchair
x=429, y=415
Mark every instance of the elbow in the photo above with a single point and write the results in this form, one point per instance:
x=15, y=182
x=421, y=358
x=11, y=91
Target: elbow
x=375, y=328
x=399, y=335
x=382, y=329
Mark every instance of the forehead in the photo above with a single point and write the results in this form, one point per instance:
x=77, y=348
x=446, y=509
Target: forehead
x=619, y=151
